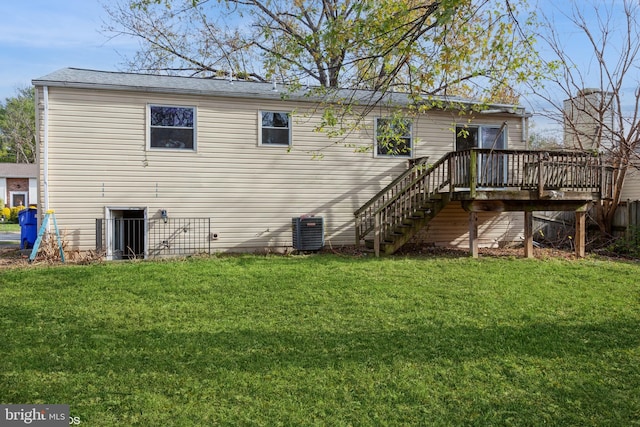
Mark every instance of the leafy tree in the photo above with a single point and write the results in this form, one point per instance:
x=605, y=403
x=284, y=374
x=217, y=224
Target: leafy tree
x=478, y=48
x=598, y=111
x=18, y=127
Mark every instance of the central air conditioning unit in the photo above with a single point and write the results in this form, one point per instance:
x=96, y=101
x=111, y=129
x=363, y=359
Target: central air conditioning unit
x=308, y=233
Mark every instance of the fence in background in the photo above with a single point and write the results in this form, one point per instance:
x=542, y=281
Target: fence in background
x=627, y=219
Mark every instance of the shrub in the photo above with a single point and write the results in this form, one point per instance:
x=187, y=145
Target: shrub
x=13, y=215
x=6, y=213
x=629, y=245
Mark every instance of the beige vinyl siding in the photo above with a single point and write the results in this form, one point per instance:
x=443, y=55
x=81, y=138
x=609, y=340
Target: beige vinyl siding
x=98, y=159
x=631, y=190
x=451, y=228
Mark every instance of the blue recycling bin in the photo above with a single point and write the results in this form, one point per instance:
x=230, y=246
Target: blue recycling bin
x=28, y=220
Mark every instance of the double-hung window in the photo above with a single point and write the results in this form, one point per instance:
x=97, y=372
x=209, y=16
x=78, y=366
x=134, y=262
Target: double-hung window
x=172, y=127
x=275, y=128
x=394, y=137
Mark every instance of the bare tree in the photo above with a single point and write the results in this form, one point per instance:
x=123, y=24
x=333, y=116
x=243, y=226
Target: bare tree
x=543, y=139
x=599, y=105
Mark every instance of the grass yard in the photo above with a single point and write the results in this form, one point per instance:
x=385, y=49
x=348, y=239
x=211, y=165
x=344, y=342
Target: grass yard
x=8, y=227
x=326, y=340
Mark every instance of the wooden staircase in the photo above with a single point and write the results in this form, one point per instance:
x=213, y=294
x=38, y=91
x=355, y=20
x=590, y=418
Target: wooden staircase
x=405, y=206
x=405, y=230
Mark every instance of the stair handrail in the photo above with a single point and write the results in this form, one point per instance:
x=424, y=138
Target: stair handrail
x=427, y=172
x=417, y=165
x=366, y=223
x=410, y=199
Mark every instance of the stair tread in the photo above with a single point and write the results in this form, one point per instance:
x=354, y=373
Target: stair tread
x=403, y=223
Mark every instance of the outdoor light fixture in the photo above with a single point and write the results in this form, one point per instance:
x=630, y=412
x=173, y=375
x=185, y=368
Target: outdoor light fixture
x=163, y=214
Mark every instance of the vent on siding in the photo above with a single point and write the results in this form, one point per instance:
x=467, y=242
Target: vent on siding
x=308, y=233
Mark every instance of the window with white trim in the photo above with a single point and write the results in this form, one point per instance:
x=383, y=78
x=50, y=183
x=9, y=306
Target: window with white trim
x=172, y=127
x=19, y=198
x=275, y=128
x=394, y=137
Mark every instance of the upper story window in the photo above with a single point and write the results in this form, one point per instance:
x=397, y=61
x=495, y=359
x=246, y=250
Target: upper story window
x=172, y=127
x=394, y=138
x=275, y=128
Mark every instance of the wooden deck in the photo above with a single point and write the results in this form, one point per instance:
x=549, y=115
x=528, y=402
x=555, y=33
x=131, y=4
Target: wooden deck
x=484, y=180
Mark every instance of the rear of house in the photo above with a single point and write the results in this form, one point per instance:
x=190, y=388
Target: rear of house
x=152, y=166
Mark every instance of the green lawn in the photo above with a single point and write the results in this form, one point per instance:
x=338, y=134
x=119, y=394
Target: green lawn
x=326, y=340
x=5, y=227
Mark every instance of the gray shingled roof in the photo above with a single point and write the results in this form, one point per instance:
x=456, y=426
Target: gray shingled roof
x=91, y=79
x=87, y=79
x=18, y=170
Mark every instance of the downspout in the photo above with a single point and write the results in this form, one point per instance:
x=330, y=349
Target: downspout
x=45, y=143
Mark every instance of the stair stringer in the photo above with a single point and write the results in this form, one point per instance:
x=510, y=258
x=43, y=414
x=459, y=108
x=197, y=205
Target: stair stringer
x=403, y=233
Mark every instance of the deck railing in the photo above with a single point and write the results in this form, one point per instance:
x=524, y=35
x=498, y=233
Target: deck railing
x=477, y=170
x=529, y=170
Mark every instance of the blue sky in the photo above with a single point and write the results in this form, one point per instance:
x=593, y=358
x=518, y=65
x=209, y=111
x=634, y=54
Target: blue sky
x=41, y=36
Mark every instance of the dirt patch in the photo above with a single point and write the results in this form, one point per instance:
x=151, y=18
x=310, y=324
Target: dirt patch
x=432, y=251
x=48, y=254
x=14, y=257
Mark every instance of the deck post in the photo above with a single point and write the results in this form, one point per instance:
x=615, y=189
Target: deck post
x=541, y=177
x=450, y=173
x=528, y=234
x=473, y=173
x=581, y=216
x=376, y=234
x=473, y=234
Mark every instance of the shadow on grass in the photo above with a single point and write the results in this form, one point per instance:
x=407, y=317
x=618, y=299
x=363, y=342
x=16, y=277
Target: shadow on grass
x=79, y=349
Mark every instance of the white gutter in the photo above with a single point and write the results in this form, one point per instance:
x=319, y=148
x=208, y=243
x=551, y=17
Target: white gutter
x=45, y=143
